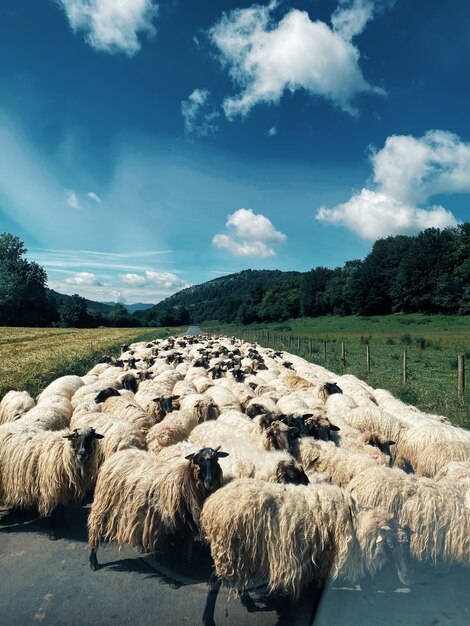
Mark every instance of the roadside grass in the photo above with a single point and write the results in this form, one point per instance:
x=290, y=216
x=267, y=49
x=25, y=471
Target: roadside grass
x=31, y=358
x=432, y=343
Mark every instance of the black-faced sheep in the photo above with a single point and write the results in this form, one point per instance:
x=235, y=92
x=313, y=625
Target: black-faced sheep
x=139, y=500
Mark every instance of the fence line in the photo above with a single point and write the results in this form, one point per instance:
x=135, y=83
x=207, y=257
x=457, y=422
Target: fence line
x=417, y=362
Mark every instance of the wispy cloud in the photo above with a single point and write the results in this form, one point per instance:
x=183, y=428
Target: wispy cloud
x=272, y=132
x=199, y=117
x=265, y=58
x=93, y=196
x=72, y=199
x=249, y=234
x=407, y=171
x=112, y=25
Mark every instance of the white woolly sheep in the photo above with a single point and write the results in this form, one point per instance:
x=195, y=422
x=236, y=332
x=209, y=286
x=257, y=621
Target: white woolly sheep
x=14, y=404
x=140, y=501
x=288, y=535
x=45, y=469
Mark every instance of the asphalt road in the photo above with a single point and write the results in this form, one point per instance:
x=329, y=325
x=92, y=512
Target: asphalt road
x=50, y=582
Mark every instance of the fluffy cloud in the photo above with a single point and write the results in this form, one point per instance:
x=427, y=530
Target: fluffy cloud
x=111, y=25
x=265, y=58
x=82, y=279
x=199, y=120
x=371, y=214
x=407, y=171
x=414, y=169
x=162, y=280
x=249, y=235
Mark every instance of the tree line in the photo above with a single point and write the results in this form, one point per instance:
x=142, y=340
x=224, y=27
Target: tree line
x=25, y=299
x=425, y=273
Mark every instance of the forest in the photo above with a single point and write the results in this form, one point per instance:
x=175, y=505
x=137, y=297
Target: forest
x=424, y=273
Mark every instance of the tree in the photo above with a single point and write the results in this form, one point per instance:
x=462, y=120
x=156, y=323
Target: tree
x=23, y=295
x=73, y=312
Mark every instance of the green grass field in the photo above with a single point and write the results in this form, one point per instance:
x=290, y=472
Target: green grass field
x=31, y=358
x=432, y=343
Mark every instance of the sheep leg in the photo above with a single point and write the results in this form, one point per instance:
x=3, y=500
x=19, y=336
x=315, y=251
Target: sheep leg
x=56, y=519
x=93, y=560
x=249, y=603
x=214, y=588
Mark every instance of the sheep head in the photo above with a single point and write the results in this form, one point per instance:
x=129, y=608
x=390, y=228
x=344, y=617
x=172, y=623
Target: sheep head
x=206, y=467
x=292, y=473
x=82, y=442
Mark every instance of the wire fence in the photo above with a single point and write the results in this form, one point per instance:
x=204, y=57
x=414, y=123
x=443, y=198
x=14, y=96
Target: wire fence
x=427, y=373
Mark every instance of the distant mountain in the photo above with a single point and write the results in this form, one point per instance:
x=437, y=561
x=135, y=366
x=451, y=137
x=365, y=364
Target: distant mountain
x=132, y=308
x=230, y=298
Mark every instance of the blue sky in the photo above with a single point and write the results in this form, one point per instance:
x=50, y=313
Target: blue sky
x=148, y=146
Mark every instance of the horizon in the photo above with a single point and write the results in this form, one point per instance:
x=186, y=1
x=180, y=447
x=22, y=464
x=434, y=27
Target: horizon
x=161, y=145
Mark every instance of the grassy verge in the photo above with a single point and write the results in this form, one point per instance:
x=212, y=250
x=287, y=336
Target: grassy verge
x=432, y=344
x=31, y=358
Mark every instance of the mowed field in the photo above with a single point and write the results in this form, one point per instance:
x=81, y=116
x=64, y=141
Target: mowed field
x=31, y=358
x=432, y=344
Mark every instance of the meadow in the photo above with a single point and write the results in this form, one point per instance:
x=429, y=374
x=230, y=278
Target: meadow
x=432, y=343
x=31, y=358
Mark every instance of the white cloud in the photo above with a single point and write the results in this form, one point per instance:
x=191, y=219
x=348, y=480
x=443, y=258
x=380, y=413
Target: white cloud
x=371, y=214
x=93, y=196
x=272, y=132
x=414, y=169
x=83, y=278
x=248, y=225
x=249, y=235
x=351, y=17
x=133, y=279
x=198, y=119
x=407, y=171
x=244, y=248
x=72, y=199
x=265, y=58
x=163, y=280
x=111, y=25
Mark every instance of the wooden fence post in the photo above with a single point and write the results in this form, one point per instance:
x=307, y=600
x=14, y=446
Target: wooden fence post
x=343, y=354
x=298, y=344
x=310, y=346
x=368, y=358
x=324, y=348
x=461, y=375
x=405, y=362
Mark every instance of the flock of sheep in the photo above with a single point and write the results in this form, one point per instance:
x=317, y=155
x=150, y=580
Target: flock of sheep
x=290, y=473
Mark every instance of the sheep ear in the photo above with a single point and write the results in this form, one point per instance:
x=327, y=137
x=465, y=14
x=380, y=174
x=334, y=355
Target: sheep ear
x=98, y=436
x=71, y=436
x=391, y=443
x=335, y=428
x=190, y=456
x=305, y=416
x=221, y=455
x=175, y=397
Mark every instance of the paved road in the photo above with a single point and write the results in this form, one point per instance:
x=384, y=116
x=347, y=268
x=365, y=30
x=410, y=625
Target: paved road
x=51, y=583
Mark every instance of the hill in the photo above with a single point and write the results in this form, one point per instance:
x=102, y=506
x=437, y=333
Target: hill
x=92, y=306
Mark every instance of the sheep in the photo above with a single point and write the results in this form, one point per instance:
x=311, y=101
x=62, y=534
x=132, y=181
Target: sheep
x=51, y=413
x=456, y=474
x=223, y=398
x=288, y=535
x=46, y=469
x=119, y=434
x=87, y=393
x=139, y=501
x=64, y=386
x=126, y=408
x=14, y=404
x=436, y=512
x=412, y=444
x=337, y=464
x=246, y=458
x=432, y=458
x=370, y=419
